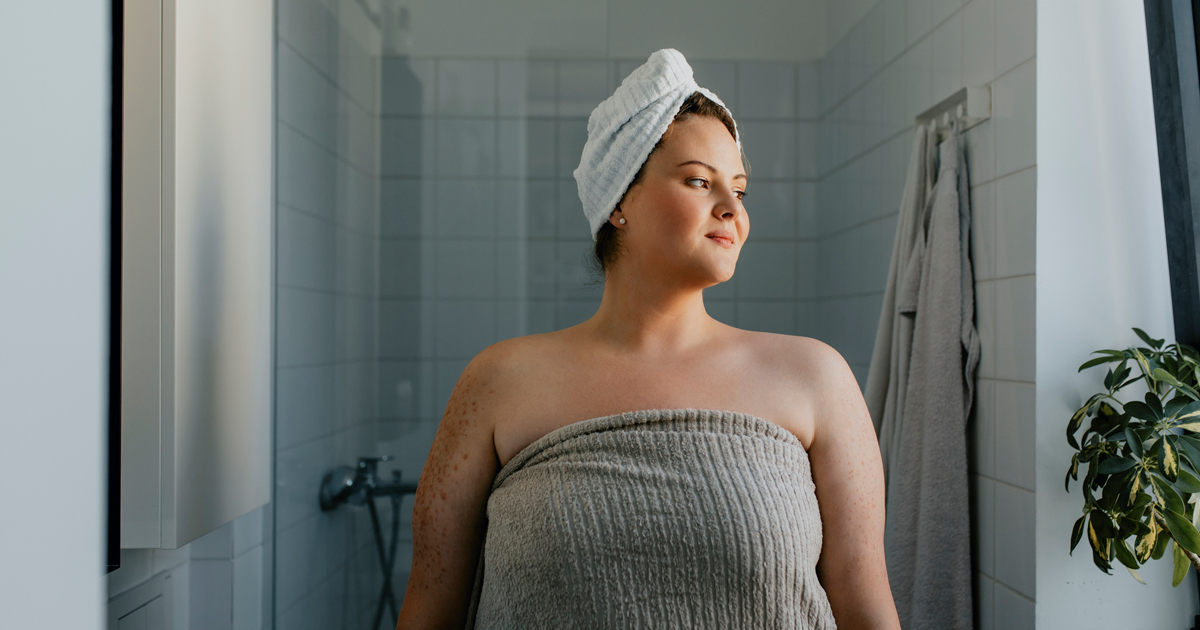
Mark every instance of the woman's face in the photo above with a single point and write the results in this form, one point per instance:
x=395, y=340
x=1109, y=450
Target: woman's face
x=685, y=218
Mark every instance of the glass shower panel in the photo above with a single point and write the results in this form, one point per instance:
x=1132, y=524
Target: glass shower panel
x=327, y=191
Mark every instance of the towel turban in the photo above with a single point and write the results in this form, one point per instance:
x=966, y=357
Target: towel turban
x=624, y=128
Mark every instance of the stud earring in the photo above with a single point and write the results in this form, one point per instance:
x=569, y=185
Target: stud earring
x=622, y=220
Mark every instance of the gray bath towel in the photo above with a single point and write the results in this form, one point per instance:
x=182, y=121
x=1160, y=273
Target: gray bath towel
x=667, y=518
x=920, y=390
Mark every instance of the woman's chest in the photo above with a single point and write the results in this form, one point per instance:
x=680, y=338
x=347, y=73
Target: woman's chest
x=550, y=397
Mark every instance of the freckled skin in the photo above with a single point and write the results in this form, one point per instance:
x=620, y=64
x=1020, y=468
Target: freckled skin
x=448, y=516
x=848, y=473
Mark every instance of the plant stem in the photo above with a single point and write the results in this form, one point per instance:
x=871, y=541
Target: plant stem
x=1162, y=523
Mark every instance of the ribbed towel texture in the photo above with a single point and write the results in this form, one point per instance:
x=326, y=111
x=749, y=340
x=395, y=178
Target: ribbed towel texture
x=664, y=518
x=624, y=128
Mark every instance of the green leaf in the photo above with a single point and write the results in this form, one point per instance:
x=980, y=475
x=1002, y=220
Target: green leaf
x=1103, y=526
x=1179, y=564
x=1143, y=499
x=1077, y=533
x=1168, y=460
x=1176, y=405
x=1190, y=413
x=1140, y=410
x=1072, y=472
x=1160, y=545
x=1124, y=555
x=1163, y=376
x=1115, y=465
x=1142, y=362
x=1144, y=544
x=1153, y=343
x=1109, y=495
x=1155, y=405
x=1134, y=442
x=1182, y=530
x=1167, y=495
x=1190, y=448
x=1096, y=538
x=1097, y=361
x=1187, y=482
x=1077, y=418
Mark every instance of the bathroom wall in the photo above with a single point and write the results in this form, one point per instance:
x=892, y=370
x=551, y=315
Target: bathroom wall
x=484, y=236
x=327, y=291
x=1098, y=188
x=901, y=58
x=54, y=226
x=220, y=581
x=751, y=30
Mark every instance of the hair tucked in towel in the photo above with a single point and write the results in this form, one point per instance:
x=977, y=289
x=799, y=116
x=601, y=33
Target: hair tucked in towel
x=608, y=241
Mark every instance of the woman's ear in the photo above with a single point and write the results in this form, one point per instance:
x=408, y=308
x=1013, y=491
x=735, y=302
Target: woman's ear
x=617, y=218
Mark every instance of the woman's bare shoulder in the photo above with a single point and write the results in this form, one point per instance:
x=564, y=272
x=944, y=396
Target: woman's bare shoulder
x=513, y=356
x=511, y=366
x=796, y=356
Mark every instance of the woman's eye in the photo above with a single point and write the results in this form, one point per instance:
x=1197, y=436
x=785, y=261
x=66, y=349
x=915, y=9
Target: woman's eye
x=697, y=179
x=741, y=194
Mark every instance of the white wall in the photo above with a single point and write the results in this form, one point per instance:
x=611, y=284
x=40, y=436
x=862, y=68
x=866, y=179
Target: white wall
x=1098, y=188
x=54, y=211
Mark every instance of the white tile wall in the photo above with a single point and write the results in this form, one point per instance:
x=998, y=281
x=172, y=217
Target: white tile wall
x=219, y=578
x=1013, y=114
x=333, y=270
x=868, y=98
x=466, y=87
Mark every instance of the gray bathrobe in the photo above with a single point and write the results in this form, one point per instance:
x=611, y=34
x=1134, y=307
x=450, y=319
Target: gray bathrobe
x=920, y=390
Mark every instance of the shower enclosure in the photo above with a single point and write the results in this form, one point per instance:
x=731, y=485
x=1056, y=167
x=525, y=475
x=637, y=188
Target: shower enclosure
x=426, y=209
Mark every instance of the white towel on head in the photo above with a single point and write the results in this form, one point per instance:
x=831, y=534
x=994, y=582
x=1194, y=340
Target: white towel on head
x=624, y=128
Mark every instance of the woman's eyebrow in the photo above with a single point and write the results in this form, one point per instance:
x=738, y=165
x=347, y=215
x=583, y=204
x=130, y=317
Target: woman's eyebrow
x=709, y=167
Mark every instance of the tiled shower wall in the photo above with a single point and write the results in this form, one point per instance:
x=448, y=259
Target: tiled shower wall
x=483, y=234
x=903, y=57
x=325, y=568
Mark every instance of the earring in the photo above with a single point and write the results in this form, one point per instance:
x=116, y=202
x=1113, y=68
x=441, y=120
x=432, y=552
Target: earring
x=622, y=220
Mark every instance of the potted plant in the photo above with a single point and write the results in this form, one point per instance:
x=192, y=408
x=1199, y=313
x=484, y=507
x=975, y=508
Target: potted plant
x=1142, y=461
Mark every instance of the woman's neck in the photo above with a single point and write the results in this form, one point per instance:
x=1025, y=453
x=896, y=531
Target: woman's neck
x=651, y=316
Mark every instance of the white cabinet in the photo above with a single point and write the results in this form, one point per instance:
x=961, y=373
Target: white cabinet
x=197, y=307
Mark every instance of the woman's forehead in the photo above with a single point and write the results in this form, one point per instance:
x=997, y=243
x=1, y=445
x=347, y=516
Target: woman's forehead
x=704, y=140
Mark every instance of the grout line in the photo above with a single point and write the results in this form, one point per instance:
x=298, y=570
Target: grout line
x=865, y=152
x=1011, y=590
x=337, y=87
x=332, y=152
x=887, y=62
x=322, y=219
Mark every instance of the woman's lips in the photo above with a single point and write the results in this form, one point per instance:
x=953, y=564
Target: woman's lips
x=723, y=241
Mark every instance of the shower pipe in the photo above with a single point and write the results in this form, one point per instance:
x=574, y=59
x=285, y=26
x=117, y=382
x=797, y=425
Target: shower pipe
x=356, y=486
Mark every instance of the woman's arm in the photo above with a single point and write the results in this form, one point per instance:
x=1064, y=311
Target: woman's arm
x=449, y=510
x=848, y=473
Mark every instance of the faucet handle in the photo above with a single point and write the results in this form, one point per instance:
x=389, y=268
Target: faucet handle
x=368, y=466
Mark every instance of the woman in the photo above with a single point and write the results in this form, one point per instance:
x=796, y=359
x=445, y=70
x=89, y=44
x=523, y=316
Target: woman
x=651, y=466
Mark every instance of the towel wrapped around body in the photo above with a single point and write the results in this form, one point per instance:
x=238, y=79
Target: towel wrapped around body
x=664, y=518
